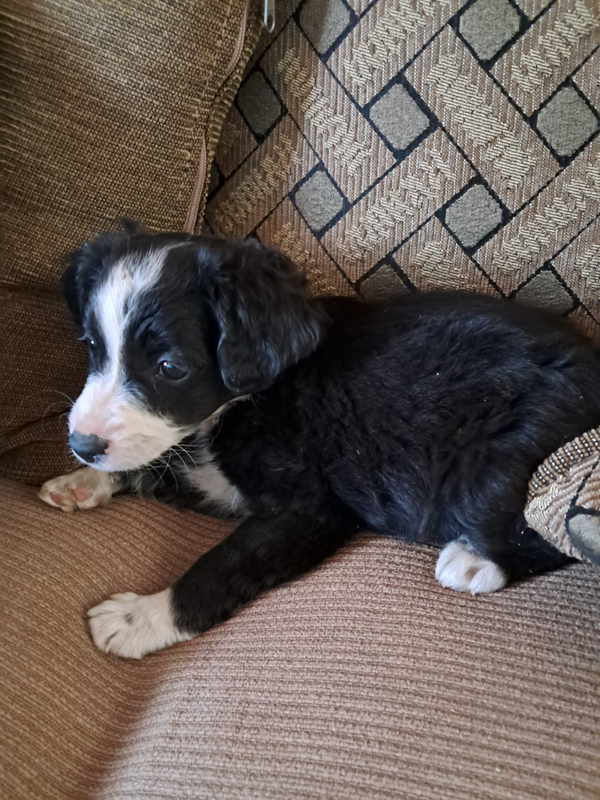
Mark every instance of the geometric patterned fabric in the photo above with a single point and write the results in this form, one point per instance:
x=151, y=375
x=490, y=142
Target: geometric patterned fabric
x=402, y=145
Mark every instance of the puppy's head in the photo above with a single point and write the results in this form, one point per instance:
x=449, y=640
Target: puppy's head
x=176, y=326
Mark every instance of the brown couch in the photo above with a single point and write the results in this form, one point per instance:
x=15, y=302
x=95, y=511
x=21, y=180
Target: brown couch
x=365, y=679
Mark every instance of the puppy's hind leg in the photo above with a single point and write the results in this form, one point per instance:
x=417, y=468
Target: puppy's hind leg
x=522, y=552
x=460, y=568
x=507, y=550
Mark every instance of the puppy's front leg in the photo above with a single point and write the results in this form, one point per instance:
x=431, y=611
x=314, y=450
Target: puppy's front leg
x=259, y=555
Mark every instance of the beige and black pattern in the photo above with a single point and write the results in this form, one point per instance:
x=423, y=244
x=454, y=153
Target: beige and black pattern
x=564, y=498
x=402, y=145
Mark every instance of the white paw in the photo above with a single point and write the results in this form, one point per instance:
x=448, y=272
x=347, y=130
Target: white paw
x=85, y=488
x=130, y=625
x=461, y=569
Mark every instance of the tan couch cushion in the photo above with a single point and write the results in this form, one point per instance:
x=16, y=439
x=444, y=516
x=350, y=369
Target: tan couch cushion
x=105, y=109
x=43, y=370
x=363, y=679
x=67, y=709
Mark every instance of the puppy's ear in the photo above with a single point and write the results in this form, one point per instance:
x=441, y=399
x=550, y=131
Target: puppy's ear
x=82, y=272
x=265, y=318
x=131, y=226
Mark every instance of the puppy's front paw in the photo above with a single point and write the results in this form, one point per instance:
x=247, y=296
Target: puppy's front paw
x=461, y=569
x=131, y=625
x=85, y=488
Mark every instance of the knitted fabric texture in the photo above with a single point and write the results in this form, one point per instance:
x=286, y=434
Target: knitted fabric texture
x=364, y=679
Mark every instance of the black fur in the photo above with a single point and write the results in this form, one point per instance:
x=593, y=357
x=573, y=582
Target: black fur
x=423, y=418
x=265, y=322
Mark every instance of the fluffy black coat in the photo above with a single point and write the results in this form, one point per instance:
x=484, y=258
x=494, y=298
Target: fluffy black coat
x=423, y=418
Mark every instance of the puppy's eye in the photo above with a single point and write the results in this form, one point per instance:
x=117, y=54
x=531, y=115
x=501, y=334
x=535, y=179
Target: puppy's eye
x=172, y=371
x=91, y=343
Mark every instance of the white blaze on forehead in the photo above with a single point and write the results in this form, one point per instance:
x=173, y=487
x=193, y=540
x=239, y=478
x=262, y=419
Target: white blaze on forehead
x=108, y=407
x=114, y=300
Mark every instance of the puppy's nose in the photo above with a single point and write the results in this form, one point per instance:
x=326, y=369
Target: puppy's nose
x=87, y=447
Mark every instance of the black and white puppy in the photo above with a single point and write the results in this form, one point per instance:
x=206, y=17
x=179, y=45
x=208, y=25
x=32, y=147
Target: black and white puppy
x=216, y=383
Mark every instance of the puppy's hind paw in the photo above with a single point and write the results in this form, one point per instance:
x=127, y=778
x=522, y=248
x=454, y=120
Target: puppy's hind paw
x=85, y=488
x=460, y=569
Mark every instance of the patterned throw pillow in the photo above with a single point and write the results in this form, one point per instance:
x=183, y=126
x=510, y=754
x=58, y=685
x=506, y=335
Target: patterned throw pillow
x=564, y=498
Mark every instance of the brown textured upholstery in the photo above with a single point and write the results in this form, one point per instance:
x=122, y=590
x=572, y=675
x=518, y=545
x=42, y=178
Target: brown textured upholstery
x=66, y=708
x=363, y=679
x=104, y=110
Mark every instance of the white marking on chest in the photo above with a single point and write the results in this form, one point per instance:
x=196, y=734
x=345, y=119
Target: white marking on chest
x=208, y=478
